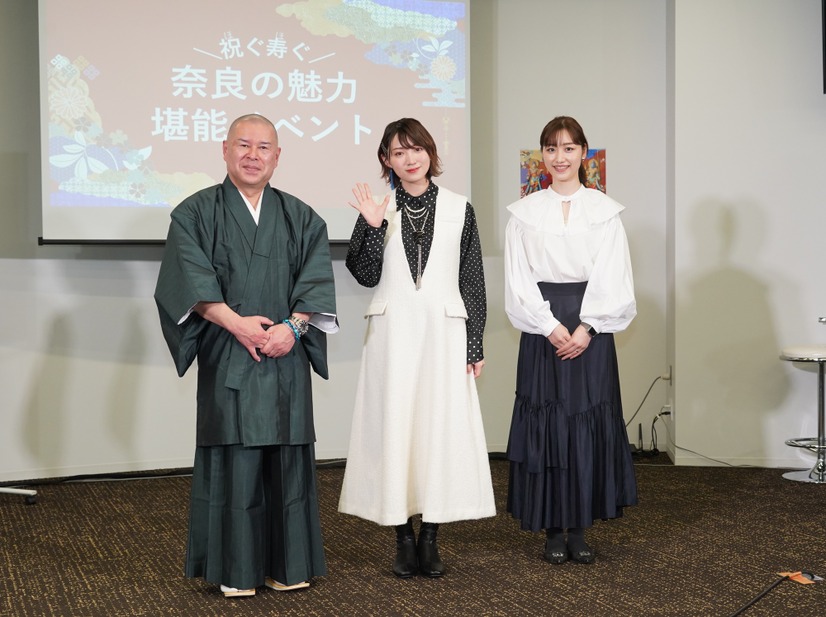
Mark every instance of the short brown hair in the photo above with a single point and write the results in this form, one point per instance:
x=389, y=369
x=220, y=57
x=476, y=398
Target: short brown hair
x=411, y=133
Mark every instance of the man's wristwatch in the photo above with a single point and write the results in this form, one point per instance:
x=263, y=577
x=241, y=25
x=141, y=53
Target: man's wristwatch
x=301, y=326
x=589, y=329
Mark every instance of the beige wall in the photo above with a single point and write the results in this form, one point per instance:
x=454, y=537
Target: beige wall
x=698, y=116
x=749, y=124
x=528, y=67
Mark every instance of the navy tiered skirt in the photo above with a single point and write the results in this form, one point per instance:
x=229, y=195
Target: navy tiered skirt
x=570, y=459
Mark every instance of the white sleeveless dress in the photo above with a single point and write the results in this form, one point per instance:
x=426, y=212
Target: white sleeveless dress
x=417, y=443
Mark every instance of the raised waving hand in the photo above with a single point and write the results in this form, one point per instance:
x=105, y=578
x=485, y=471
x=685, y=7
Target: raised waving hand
x=372, y=212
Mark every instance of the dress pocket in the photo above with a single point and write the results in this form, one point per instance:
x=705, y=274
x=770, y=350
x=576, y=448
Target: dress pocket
x=455, y=309
x=375, y=308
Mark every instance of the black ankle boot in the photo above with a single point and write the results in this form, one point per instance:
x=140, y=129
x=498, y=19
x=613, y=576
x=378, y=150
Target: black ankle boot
x=430, y=564
x=406, y=564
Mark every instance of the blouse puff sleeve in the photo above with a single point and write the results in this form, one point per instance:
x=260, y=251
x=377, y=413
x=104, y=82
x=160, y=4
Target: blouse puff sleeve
x=524, y=305
x=608, y=305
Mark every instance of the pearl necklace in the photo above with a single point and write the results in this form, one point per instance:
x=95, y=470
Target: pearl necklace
x=418, y=236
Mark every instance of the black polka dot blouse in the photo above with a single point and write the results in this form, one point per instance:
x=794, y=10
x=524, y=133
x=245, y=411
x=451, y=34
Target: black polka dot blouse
x=365, y=257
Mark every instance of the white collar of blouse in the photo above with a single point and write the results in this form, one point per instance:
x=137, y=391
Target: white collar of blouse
x=542, y=210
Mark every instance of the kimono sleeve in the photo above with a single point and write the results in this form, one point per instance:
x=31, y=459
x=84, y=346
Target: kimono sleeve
x=314, y=290
x=186, y=277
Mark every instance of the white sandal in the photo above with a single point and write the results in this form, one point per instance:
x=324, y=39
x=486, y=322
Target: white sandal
x=232, y=592
x=274, y=584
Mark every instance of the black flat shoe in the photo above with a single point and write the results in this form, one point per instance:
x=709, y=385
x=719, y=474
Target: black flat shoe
x=555, y=552
x=581, y=553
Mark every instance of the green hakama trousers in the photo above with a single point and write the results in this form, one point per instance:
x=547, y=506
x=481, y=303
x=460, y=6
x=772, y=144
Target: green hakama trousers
x=253, y=514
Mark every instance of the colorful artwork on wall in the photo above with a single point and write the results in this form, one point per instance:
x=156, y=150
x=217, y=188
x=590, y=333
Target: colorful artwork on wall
x=534, y=176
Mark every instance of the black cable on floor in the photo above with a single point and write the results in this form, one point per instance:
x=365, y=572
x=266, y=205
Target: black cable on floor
x=756, y=598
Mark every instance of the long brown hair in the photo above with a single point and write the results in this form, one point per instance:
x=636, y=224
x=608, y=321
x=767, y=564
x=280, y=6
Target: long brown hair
x=411, y=133
x=550, y=137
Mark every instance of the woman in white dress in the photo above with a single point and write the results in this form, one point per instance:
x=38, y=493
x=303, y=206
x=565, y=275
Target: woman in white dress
x=568, y=288
x=417, y=444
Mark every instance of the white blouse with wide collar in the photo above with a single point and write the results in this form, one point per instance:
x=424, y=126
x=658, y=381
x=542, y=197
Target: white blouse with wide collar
x=540, y=246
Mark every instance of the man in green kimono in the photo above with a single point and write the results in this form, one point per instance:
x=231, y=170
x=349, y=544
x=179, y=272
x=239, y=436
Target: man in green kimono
x=246, y=287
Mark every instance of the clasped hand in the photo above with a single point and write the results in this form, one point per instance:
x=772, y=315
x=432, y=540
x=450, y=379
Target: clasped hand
x=274, y=342
x=569, y=345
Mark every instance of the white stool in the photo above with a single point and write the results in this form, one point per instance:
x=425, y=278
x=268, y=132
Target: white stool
x=810, y=354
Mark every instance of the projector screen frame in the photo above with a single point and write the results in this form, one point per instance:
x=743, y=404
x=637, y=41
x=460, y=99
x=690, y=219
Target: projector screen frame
x=454, y=147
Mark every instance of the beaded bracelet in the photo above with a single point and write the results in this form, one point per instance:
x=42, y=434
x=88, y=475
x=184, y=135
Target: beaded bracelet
x=292, y=327
x=301, y=324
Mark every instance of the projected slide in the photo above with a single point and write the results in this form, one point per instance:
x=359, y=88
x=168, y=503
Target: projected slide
x=137, y=96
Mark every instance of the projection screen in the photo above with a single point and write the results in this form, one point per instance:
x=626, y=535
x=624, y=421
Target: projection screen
x=137, y=96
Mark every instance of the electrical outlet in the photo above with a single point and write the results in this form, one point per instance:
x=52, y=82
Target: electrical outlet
x=667, y=411
x=667, y=375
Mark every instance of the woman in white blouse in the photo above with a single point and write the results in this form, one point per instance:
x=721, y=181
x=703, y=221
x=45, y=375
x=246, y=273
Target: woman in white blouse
x=568, y=288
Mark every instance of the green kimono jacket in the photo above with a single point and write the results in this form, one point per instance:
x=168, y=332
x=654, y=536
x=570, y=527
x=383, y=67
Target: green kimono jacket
x=216, y=253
